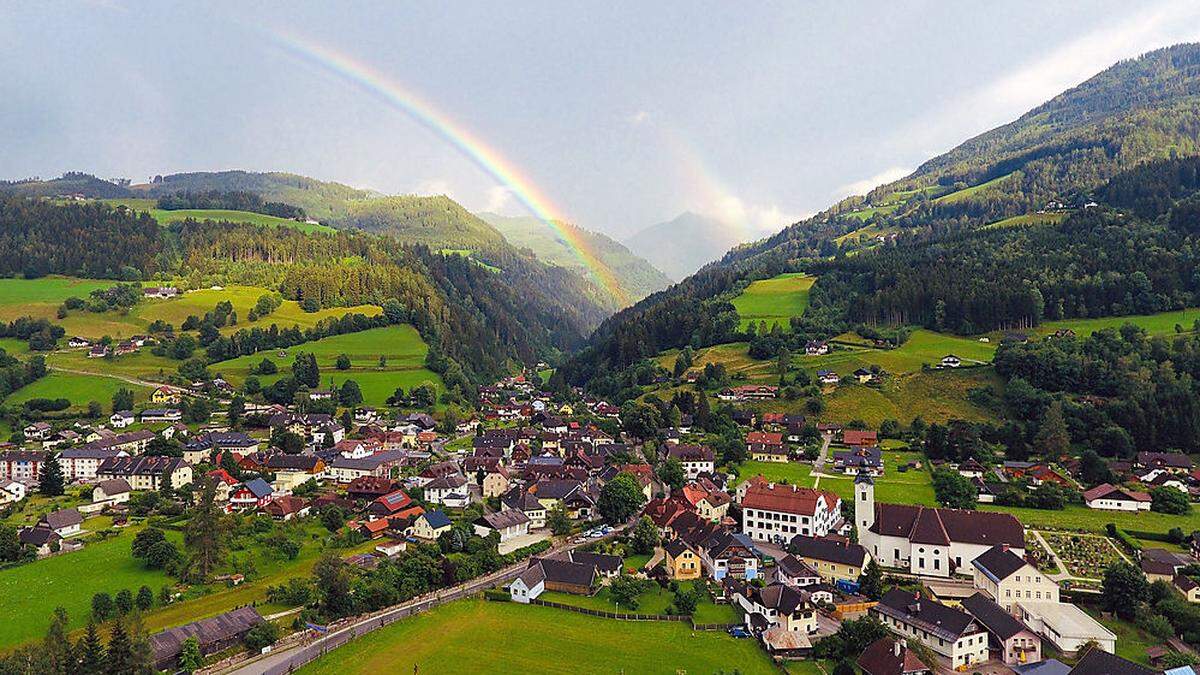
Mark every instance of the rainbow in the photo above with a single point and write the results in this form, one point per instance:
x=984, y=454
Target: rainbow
x=483, y=156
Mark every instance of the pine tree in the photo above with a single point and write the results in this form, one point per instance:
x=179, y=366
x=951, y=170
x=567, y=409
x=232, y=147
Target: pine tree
x=118, y=658
x=205, y=535
x=91, y=652
x=56, y=647
x=52, y=482
x=871, y=581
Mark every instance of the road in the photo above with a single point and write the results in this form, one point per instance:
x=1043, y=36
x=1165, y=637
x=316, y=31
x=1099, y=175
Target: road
x=822, y=457
x=291, y=657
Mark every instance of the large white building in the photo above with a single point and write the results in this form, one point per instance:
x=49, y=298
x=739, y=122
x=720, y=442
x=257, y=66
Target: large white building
x=929, y=541
x=776, y=512
x=1065, y=625
x=955, y=636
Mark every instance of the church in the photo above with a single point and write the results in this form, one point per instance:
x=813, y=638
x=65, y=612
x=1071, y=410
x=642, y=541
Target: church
x=929, y=541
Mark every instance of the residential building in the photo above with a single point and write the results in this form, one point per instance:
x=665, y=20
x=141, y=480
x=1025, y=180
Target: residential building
x=1113, y=498
x=1008, y=578
x=776, y=512
x=793, y=571
x=856, y=460
x=509, y=523
x=252, y=495
x=728, y=554
x=776, y=605
x=82, y=464
x=292, y=471
x=887, y=656
x=110, y=492
x=121, y=419
x=955, y=636
x=155, y=415
x=430, y=525
x=1102, y=662
x=682, y=561
x=1009, y=640
x=286, y=507
x=449, y=491
x=22, y=465
x=695, y=459
x=64, y=522
x=833, y=559
x=146, y=473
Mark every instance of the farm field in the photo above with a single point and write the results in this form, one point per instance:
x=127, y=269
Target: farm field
x=29, y=593
x=402, y=346
x=922, y=347
x=140, y=365
x=14, y=346
x=78, y=389
x=442, y=640
x=774, y=300
x=865, y=213
x=733, y=355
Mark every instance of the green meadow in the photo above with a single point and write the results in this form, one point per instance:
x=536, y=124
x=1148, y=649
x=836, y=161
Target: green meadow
x=401, y=347
x=1155, y=324
x=548, y=641
x=78, y=389
x=922, y=347
x=970, y=191
x=165, y=217
x=774, y=300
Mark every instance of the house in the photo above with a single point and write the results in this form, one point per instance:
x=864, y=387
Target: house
x=528, y=585
x=887, y=656
x=22, y=465
x=863, y=376
x=776, y=605
x=708, y=501
x=162, y=292
x=98, y=352
x=155, y=415
x=929, y=541
x=164, y=395
x=38, y=431
x=695, y=459
x=765, y=446
x=448, y=491
x=951, y=361
x=64, y=522
x=380, y=464
x=1007, y=578
x=252, y=495
x=749, y=392
x=395, y=504
x=776, y=512
x=1187, y=586
x=828, y=377
x=833, y=559
x=682, y=561
x=528, y=504
x=214, y=634
x=1159, y=564
x=108, y=492
x=509, y=523
x=728, y=554
x=292, y=471
x=42, y=540
x=793, y=571
x=75, y=342
x=955, y=636
x=286, y=507
x=971, y=468
x=858, y=460
x=1008, y=639
x=369, y=487
x=430, y=525
x=121, y=419
x=1064, y=625
x=816, y=348
x=146, y=473
x=1113, y=498
x=1174, y=462
x=12, y=491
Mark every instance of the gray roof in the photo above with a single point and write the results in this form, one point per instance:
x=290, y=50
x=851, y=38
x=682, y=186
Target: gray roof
x=502, y=519
x=998, y=563
x=944, y=622
x=114, y=486
x=62, y=518
x=993, y=617
x=168, y=643
x=437, y=519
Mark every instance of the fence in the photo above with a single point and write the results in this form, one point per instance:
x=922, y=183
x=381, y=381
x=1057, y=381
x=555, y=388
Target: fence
x=625, y=616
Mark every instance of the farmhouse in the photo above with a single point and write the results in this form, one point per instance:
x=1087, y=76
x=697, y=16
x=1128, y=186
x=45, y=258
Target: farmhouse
x=776, y=512
x=286, y=507
x=828, y=377
x=816, y=348
x=164, y=395
x=929, y=541
x=11, y=491
x=860, y=438
x=1175, y=462
x=64, y=522
x=38, y=431
x=1113, y=498
x=163, y=292
x=955, y=636
x=951, y=361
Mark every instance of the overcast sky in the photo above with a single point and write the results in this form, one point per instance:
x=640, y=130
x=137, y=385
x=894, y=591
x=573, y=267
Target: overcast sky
x=622, y=113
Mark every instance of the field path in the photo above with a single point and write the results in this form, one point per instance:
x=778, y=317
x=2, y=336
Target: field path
x=115, y=376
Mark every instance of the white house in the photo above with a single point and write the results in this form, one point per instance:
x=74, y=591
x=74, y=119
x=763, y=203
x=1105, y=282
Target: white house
x=955, y=636
x=1008, y=578
x=510, y=523
x=528, y=585
x=11, y=491
x=777, y=512
x=695, y=459
x=112, y=491
x=1112, y=498
x=951, y=361
x=121, y=419
x=448, y=490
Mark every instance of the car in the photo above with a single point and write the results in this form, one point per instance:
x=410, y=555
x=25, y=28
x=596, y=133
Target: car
x=606, y=530
x=738, y=632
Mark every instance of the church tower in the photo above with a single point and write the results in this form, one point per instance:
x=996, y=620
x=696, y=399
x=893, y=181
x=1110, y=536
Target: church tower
x=864, y=503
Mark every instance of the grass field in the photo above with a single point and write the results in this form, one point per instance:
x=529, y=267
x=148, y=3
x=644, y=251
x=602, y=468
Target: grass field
x=463, y=636
x=774, y=300
x=402, y=346
x=911, y=487
x=197, y=302
x=165, y=217
x=969, y=191
x=654, y=602
x=935, y=395
x=922, y=347
x=865, y=213
x=141, y=365
x=1155, y=324
x=29, y=593
x=1027, y=219
x=1080, y=517
x=78, y=389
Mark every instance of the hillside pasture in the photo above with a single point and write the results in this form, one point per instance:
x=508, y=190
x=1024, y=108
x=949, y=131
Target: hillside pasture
x=78, y=389
x=1028, y=219
x=922, y=347
x=774, y=300
x=401, y=346
x=165, y=217
x=968, y=192
x=936, y=396
x=464, y=632
x=1162, y=323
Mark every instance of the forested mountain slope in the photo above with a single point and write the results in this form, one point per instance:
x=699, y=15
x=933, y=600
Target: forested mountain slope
x=637, y=277
x=1079, y=208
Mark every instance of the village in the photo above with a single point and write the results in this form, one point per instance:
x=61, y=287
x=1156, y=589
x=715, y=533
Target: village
x=592, y=518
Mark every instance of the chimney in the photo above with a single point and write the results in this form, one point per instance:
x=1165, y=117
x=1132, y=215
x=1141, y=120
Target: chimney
x=897, y=647
x=1004, y=547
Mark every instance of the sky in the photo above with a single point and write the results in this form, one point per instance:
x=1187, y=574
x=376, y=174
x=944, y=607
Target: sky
x=613, y=115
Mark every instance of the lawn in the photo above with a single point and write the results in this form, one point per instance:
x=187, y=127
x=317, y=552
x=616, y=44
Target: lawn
x=141, y=365
x=774, y=300
x=923, y=347
x=656, y=601
x=463, y=636
x=29, y=593
x=401, y=346
x=21, y=292
x=911, y=487
x=791, y=473
x=78, y=389
x=1080, y=517
x=865, y=213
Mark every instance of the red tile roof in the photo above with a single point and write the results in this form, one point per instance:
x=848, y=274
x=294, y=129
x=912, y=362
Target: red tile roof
x=787, y=498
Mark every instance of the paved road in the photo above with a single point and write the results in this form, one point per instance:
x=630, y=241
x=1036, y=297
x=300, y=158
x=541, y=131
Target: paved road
x=291, y=657
x=822, y=456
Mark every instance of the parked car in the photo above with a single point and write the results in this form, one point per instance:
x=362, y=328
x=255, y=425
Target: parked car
x=738, y=632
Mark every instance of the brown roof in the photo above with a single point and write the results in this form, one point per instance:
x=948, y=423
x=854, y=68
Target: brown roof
x=856, y=437
x=787, y=498
x=881, y=658
x=968, y=527
x=1108, y=491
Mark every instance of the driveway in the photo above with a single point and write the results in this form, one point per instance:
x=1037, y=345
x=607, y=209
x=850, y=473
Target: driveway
x=522, y=541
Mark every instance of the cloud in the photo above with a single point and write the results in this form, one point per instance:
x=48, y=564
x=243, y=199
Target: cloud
x=638, y=117
x=751, y=221
x=862, y=187
x=434, y=186
x=498, y=197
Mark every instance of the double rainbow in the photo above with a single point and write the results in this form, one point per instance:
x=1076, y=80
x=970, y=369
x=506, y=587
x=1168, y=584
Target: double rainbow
x=482, y=155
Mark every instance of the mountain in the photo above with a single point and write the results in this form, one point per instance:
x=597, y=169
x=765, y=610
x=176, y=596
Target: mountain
x=1027, y=222
x=322, y=200
x=684, y=244
x=637, y=277
x=70, y=183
